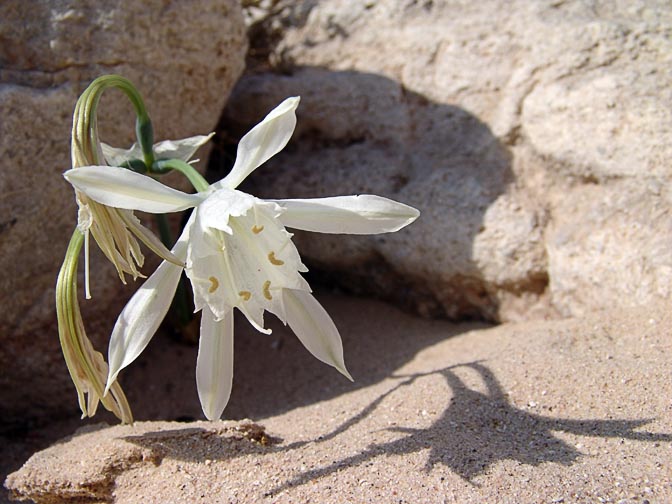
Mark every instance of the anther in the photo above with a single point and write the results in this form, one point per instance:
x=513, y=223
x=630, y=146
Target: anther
x=272, y=258
x=246, y=295
x=257, y=229
x=267, y=292
x=214, y=284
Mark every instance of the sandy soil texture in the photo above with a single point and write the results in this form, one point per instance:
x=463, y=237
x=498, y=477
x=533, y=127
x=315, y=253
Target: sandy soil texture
x=548, y=411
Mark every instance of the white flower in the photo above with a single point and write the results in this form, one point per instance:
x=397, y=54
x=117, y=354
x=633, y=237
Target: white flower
x=115, y=229
x=238, y=255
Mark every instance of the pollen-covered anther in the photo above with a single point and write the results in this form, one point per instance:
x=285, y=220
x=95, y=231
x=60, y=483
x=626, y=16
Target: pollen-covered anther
x=214, y=284
x=267, y=290
x=274, y=260
x=246, y=295
x=257, y=229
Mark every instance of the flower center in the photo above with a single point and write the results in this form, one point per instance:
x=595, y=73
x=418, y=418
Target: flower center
x=241, y=256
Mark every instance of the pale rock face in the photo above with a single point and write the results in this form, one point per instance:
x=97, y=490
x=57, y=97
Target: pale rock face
x=611, y=244
x=183, y=60
x=502, y=122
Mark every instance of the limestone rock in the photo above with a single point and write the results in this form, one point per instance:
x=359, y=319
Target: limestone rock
x=183, y=60
x=86, y=470
x=491, y=118
x=609, y=246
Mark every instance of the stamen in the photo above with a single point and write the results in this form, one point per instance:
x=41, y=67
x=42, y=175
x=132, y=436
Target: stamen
x=257, y=229
x=246, y=295
x=214, y=286
x=267, y=292
x=272, y=258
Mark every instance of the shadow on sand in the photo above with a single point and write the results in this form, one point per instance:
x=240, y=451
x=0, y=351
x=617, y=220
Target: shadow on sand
x=477, y=430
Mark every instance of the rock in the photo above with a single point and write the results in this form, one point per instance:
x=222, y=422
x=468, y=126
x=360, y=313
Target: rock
x=555, y=411
x=493, y=126
x=183, y=60
x=618, y=231
x=87, y=469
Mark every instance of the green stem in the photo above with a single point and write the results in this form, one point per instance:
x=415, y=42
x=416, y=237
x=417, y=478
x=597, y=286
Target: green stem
x=85, y=115
x=195, y=178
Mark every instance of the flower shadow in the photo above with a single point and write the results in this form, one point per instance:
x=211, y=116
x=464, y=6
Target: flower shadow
x=476, y=430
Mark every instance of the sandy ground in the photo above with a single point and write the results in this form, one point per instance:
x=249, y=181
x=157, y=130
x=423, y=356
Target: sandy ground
x=549, y=411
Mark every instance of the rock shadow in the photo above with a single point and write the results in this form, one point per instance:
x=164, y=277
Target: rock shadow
x=361, y=133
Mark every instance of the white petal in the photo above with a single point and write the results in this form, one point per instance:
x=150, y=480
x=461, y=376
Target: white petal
x=365, y=214
x=122, y=188
x=180, y=149
x=117, y=157
x=313, y=326
x=241, y=256
x=168, y=149
x=222, y=204
x=214, y=365
x=262, y=142
x=143, y=314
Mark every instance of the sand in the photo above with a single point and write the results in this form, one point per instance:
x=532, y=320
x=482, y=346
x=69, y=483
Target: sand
x=549, y=411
